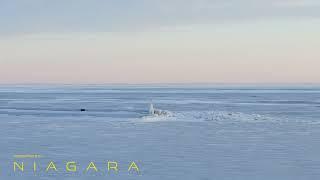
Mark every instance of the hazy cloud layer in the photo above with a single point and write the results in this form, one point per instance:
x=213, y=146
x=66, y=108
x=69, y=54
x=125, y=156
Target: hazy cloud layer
x=159, y=41
x=25, y=16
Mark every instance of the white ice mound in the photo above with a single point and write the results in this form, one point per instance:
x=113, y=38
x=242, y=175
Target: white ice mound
x=157, y=112
x=208, y=116
x=157, y=115
x=151, y=109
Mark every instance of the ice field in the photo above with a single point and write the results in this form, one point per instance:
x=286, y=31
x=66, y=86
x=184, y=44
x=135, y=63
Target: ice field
x=212, y=132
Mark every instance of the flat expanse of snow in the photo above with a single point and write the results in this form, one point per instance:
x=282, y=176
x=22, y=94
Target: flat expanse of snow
x=210, y=133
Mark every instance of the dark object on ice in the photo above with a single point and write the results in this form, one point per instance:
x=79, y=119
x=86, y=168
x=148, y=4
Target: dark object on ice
x=82, y=110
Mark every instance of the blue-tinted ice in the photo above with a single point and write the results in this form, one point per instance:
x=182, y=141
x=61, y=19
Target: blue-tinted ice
x=212, y=132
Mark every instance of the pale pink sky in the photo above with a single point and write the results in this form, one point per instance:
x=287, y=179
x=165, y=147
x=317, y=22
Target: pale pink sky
x=270, y=51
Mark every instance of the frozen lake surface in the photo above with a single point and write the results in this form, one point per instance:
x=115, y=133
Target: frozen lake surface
x=224, y=133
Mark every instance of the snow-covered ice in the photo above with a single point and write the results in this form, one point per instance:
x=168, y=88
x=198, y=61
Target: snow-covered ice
x=209, y=132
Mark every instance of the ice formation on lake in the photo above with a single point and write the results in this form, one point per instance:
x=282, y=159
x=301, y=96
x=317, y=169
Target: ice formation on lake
x=220, y=133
